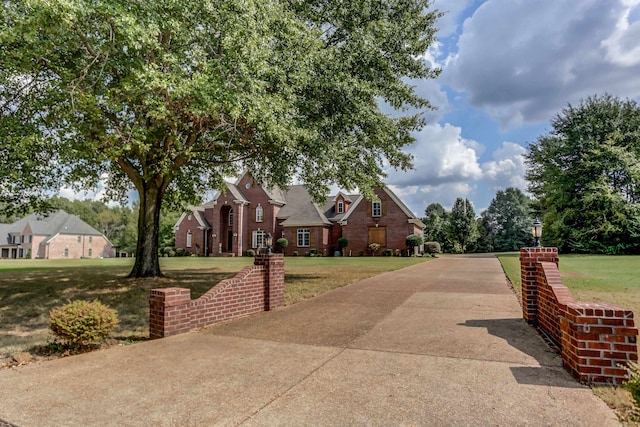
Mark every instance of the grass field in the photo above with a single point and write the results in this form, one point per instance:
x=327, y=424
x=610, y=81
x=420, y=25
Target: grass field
x=29, y=289
x=591, y=278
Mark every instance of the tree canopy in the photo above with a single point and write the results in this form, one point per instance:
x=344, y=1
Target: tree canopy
x=462, y=224
x=585, y=175
x=170, y=96
x=508, y=221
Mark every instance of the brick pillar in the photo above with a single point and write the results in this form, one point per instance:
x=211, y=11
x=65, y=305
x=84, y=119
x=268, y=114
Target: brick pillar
x=169, y=312
x=529, y=257
x=274, y=280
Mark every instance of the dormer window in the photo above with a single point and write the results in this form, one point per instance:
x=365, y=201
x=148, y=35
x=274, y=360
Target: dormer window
x=340, y=206
x=259, y=214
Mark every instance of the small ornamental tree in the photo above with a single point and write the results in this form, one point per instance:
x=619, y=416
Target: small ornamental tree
x=342, y=243
x=282, y=243
x=414, y=240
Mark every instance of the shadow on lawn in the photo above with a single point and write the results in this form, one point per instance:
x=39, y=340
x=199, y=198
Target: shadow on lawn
x=26, y=297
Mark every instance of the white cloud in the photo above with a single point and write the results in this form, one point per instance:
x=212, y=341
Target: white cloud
x=445, y=167
x=441, y=156
x=523, y=61
x=507, y=168
x=448, y=24
x=622, y=47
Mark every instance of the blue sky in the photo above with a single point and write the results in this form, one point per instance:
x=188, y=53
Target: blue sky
x=508, y=67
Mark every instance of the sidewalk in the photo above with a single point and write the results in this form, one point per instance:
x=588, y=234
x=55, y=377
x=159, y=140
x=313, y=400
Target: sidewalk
x=440, y=343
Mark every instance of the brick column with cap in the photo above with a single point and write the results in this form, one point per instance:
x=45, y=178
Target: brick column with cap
x=529, y=257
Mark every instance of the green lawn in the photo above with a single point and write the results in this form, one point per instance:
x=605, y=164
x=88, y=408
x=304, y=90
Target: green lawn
x=591, y=278
x=29, y=289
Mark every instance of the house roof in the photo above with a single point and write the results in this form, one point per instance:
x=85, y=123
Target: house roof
x=300, y=209
x=198, y=213
x=5, y=229
x=330, y=206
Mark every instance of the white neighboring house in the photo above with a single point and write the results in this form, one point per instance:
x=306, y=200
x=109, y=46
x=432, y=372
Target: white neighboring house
x=57, y=235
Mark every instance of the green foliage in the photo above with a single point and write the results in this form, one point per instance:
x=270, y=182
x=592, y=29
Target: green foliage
x=83, y=322
x=282, y=242
x=343, y=242
x=167, y=98
x=463, y=229
x=437, y=228
x=585, y=175
x=633, y=382
x=432, y=248
x=250, y=253
x=295, y=253
x=508, y=221
x=414, y=240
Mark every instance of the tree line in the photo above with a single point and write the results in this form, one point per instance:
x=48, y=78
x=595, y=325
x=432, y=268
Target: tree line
x=504, y=226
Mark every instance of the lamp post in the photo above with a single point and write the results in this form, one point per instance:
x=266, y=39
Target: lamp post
x=268, y=240
x=536, y=231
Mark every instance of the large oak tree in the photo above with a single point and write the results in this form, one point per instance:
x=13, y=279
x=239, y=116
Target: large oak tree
x=171, y=96
x=585, y=176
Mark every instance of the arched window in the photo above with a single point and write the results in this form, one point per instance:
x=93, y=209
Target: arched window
x=230, y=216
x=189, y=238
x=259, y=214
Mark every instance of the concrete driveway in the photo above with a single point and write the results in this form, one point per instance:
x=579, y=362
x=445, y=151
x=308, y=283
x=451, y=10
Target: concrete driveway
x=440, y=343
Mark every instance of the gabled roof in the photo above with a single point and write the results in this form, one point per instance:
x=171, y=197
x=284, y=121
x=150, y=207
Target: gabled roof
x=330, y=206
x=198, y=213
x=300, y=209
x=410, y=215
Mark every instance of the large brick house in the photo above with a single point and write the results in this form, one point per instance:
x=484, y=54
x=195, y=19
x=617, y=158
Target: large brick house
x=57, y=235
x=240, y=217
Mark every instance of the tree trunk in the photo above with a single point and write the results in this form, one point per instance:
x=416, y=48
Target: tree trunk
x=147, y=263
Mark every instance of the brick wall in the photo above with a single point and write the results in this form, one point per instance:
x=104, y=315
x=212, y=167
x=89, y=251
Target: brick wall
x=255, y=289
x=593, y=339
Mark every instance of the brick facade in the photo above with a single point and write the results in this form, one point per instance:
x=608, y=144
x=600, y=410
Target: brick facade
x=255, y=289
x=593, y=339
x=213, y=233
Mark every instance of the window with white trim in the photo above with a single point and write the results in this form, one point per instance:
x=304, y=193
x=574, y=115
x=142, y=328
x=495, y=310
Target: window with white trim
x=376, y=208
x=90, y=252
x=304, y=237
x=66, y=252
x=340, y=206
x=189, y=238
x=257, y=239
x=230, y=217
x=90, y=239
x=79, y=239
x=259, y=214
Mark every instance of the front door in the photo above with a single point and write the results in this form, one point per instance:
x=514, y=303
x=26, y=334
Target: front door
x=229, y=241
